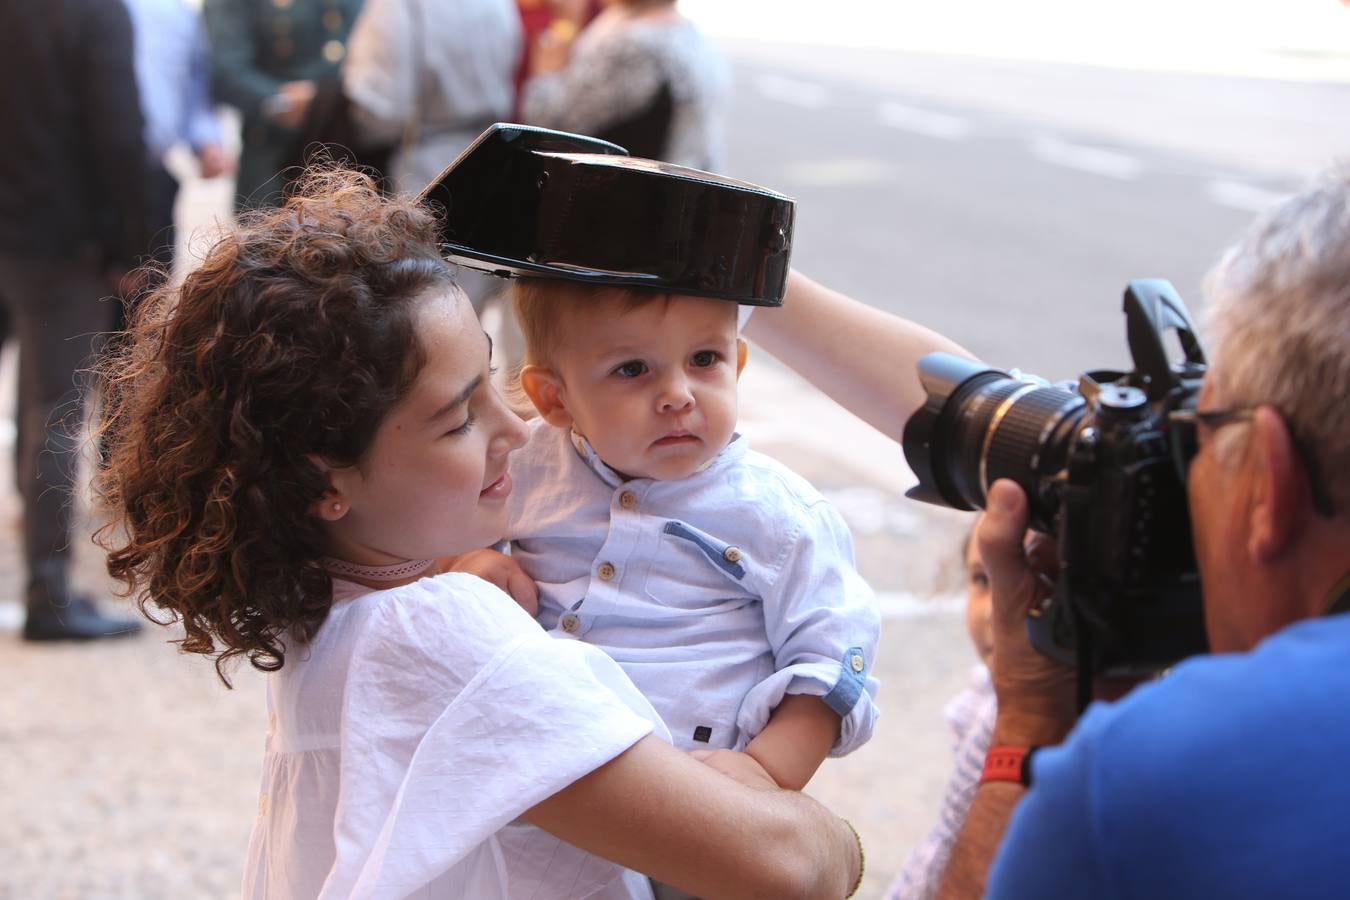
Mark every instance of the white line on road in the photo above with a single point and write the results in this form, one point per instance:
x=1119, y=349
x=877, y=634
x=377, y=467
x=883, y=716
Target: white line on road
x=1243, y=196
x=11, y=615
x=905, y=605
x=846, y=172
x=792, y=90
x=1086, y=159
x=923, y=121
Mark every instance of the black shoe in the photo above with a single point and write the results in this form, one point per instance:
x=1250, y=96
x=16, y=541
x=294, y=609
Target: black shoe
x=78, y=620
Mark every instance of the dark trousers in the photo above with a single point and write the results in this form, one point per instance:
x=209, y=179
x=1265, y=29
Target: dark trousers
x=55, y=311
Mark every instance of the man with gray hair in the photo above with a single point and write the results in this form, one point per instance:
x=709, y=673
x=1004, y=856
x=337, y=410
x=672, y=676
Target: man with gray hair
x=1227, y=777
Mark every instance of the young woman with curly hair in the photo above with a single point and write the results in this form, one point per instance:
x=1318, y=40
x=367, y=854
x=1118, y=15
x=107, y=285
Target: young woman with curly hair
x=296, y=433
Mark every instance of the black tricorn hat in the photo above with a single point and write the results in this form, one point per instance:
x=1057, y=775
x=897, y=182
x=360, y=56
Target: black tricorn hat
x=530, y=202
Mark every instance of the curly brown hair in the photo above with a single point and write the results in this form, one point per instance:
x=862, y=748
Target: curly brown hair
x=291, y=341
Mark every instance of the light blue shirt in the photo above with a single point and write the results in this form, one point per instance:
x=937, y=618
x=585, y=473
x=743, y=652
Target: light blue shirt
x=718, y=593
x=173, y=75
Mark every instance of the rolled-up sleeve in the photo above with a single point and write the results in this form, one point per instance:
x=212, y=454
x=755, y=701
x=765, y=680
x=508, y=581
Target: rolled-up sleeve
x=823, y=624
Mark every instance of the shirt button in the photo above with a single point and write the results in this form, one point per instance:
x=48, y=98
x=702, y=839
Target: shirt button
x=732, y=554
x=333, y=51
x=606, y=571
x=628, y=499
x=856, y=661
x=571, y=623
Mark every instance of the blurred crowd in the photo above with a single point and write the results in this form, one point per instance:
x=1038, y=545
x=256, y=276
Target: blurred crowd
x=98, y=92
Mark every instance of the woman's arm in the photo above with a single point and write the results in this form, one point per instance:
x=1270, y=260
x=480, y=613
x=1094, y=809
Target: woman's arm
x=863, y=358
x=659, y=811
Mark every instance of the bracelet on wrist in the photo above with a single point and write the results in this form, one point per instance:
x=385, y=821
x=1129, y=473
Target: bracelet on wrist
x=1004, y=763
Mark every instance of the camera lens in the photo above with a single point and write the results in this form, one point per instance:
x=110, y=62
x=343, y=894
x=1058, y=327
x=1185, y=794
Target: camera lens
x=981, y=424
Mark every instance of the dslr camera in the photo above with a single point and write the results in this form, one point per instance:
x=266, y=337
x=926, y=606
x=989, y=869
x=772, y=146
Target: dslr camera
x=1104, y=468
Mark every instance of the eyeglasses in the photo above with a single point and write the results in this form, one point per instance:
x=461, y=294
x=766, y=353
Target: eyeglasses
x=1185, y=444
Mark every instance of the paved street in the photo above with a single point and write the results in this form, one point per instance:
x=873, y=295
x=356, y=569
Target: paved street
x=1004, y=202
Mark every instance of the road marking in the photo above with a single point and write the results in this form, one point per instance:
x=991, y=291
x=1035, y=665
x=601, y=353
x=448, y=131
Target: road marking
x=907, y=605
x=1243, y=196
x=792, y=90
x=1086, y=159
x=870, y=510
x=11, y=615
x=923, y=121
x=832, y=173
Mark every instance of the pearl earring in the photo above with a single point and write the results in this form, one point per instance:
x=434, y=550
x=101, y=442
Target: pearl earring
x=337, y=507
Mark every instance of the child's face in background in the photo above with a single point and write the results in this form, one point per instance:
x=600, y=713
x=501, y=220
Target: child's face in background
x=979, y=605
x=434, y=480
x=653, y=388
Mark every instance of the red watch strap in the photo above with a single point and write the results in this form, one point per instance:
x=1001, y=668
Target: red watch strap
x=1008, y=764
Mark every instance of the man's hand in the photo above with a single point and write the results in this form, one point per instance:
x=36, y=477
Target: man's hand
x=1035, y=693
x=213, y=161
x=501, y=570
x=739, y=766
x=290, y=103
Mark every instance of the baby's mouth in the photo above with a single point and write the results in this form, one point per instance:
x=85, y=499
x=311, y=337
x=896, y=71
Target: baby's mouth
x=675, y=438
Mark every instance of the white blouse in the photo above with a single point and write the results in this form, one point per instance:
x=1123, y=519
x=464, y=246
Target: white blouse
x=407, y=737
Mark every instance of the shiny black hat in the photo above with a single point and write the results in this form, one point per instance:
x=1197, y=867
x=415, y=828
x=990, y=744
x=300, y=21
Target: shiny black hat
x=524, y=201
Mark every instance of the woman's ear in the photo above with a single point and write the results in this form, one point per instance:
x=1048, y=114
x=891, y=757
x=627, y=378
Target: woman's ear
x=742, y=353
x=333, y=505
x=545, y=390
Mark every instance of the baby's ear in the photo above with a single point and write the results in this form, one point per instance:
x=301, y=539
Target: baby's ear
x=742, y=354
x=545, y=390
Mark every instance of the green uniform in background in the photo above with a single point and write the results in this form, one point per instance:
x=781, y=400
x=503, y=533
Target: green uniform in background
x=257, y=46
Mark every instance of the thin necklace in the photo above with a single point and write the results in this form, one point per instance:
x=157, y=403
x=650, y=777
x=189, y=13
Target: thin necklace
x=396, y=572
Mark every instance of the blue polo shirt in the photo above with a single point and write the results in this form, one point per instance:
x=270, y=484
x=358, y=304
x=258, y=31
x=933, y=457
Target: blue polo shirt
x=1230, y=778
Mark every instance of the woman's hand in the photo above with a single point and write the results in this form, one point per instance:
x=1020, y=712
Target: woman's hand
x=553, y=48
x=740, y=766
x=1035, y=693
x=501, y=570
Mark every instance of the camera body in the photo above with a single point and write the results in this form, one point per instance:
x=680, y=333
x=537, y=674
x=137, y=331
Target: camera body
x=1104, y=475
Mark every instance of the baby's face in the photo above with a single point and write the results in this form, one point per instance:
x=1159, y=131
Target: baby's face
x=652, y=388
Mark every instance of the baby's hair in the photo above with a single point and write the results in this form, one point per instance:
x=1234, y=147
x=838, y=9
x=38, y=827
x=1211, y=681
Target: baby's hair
x=540, y=305
x=290, y=342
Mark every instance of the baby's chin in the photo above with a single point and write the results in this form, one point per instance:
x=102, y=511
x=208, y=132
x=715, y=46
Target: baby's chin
x=664, y=470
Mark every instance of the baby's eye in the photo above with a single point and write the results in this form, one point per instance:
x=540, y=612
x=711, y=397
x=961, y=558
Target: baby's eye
x=704, y=358
x=631, y=369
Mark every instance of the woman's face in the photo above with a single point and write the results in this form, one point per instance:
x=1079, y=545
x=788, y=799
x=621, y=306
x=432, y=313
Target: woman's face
x=434, y=480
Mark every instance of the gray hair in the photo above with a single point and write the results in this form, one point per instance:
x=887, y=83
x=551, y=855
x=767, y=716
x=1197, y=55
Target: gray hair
x=1279, y=322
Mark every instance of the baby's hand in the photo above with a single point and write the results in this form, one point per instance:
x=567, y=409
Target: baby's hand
x=740, y=766
x=501, y=570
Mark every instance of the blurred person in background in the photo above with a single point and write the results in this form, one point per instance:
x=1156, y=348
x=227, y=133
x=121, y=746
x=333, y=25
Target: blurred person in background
x=267, y=57
x=429, y=77
x=640, y=75
x=72, y=224
x=565, y=17
x=174, y=76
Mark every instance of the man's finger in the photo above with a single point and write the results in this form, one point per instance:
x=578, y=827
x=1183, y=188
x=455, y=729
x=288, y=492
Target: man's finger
x=1000, y=534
